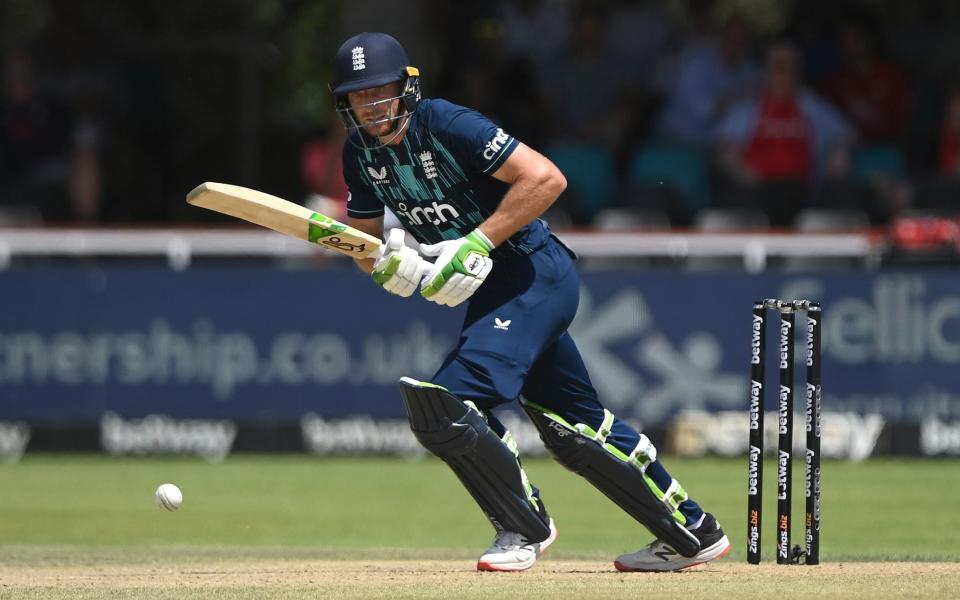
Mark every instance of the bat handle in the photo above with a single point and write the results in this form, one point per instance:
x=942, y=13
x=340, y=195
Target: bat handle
x=395, y=239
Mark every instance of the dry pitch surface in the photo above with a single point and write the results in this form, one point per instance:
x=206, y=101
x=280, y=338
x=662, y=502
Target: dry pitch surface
x=277, y=527
x=249, y=578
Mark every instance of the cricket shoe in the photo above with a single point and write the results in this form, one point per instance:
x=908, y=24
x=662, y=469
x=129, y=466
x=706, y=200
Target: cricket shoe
x=513, y=552
x=658, y=556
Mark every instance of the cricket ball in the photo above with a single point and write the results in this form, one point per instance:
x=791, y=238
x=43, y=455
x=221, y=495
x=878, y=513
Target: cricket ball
x=168, y=496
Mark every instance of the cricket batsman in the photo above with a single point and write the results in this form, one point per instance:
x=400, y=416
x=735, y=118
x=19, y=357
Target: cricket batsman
x=471, y=194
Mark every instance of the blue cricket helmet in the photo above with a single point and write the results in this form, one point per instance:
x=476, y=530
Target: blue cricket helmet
x=370, y=60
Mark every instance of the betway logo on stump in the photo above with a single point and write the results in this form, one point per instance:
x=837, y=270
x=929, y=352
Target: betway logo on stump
x=784, y=412
x=782, y=474
x=784, y=344
x=755, y=340
x=753, y=471
x=755, y=388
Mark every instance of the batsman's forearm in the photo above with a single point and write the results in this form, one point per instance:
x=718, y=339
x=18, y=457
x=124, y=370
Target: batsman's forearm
x=526, y=200
x=372, y=227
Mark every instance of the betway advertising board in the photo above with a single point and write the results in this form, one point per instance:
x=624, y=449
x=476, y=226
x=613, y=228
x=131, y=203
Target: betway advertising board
x=119, y=347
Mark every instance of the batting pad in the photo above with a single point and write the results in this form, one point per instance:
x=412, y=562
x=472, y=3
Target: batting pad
x=620, y=477
x=458, y=434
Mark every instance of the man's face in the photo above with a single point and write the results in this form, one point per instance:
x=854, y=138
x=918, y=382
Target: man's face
x=782, y=67
x=375, y=104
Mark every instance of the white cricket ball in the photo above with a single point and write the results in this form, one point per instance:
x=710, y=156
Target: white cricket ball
x=168, y=496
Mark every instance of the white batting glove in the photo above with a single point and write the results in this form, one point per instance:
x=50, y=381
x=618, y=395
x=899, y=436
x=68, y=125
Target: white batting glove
x=399, y=268
x=461, y=267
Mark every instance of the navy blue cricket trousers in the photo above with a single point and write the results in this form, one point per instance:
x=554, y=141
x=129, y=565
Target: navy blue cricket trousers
x=514, y=341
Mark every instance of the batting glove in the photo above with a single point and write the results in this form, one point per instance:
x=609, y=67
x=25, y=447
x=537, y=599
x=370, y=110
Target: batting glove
x=461, y=266
x=398, y=268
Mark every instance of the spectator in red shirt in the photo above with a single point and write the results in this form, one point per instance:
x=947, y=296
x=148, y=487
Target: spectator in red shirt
x=873, y=93
x=773, y=145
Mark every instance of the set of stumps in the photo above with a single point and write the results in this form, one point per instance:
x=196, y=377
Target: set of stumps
x=787, y=312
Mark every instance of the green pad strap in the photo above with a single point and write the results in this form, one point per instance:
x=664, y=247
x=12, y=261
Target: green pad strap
x=601, y=434
x=644, y=454
x=511, y=443
x=675, y=496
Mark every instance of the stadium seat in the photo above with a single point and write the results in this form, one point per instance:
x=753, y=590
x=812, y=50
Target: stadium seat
x=731, y=219
x=871, y=162
x=720, y=220
x=681, y=169
x=627, y=219
x=827, y=220
x=591, y=175
x=823, y=220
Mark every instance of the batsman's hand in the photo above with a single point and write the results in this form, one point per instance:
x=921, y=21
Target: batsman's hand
x=461, y=266
x=398, y=268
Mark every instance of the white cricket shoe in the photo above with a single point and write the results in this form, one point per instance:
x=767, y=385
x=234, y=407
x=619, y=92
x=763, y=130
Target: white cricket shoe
x=658, y=556
x=513, y=552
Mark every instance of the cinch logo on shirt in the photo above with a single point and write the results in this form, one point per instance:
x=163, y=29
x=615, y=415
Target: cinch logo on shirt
x=496, y=144
x=421, y=214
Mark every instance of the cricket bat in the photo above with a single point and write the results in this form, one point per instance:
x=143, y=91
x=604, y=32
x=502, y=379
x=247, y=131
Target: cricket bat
x=284, y=217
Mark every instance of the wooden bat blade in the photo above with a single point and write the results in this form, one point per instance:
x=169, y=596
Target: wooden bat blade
x=284, y=217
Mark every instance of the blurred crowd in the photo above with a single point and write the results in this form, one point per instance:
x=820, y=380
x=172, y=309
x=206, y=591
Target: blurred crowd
x=659, y=113
x=670, y=112
x=48, y=159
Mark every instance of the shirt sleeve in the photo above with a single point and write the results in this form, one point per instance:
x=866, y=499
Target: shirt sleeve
x=473, y=138
x=361, y=202
x=736, y=126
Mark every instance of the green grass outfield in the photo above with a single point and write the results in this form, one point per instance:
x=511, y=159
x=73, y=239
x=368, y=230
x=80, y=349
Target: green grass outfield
x=94, y=511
